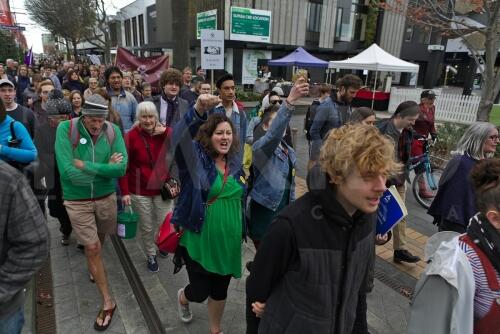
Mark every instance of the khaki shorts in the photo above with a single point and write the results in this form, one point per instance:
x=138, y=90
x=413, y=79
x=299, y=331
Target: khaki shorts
x=91, y=217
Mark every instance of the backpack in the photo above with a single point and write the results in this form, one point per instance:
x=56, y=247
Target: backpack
x=74, y=134
x=311, y=112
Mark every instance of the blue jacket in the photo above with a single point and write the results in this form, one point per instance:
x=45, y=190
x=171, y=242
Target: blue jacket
x=125, y=104
x=327, y=117
x=26, y=152
x=271, y=164
x=197, y=172
x=239, y=120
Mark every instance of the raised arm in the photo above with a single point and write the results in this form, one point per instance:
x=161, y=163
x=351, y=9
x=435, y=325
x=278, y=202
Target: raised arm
x=266, y=145
x=186, y=129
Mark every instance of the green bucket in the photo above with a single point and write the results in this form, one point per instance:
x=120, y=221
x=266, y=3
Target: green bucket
x=127, y=223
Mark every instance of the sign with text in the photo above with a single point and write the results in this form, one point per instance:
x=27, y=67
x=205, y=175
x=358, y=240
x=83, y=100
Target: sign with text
x=249, y=71
x=251, y=25
x=206, y=20
x=212, y=49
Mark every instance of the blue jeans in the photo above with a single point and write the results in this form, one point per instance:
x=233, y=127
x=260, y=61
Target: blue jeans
x=13, y=323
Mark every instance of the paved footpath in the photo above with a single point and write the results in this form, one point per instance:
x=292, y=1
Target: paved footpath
x=77, y=301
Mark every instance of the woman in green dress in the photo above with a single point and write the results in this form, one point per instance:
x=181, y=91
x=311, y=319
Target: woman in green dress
x=209, y=208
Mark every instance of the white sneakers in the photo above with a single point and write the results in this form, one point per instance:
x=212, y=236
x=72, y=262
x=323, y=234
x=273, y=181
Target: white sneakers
x=184, y=310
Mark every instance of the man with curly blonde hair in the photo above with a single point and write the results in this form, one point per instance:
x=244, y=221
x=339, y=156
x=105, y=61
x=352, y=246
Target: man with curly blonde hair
x=311, y=269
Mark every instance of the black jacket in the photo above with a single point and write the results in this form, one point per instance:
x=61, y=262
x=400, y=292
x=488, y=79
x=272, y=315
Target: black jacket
x=311, y=268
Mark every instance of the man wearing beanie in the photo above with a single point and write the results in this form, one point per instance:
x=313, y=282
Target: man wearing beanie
x=57, y=109
x=90, y=154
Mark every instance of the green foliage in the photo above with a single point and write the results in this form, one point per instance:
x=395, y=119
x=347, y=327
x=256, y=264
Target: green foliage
x=371, y=23
x=246, y=96
x=495, y=115
x=448, y=136
x=9, y=48
x=70, y=19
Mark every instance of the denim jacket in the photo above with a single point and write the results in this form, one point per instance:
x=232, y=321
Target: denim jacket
x=197, y=173
x=272, y=165
x=327, y=117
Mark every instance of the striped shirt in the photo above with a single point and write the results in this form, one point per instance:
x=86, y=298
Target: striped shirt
x=484, y=297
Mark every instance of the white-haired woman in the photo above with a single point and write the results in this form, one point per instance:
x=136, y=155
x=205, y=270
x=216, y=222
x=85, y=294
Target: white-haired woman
x=454, y=203
x=148, y=144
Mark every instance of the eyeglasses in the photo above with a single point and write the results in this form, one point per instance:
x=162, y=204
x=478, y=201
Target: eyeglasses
x=276, y=101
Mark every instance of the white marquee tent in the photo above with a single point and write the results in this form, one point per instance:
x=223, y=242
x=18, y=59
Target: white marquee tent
x=374, y=58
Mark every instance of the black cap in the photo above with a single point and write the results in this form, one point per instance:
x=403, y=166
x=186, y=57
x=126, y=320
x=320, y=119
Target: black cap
x=57, y=104
x=428, y=93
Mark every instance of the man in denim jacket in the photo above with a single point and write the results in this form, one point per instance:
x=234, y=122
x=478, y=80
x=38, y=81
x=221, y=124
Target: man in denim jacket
x=227, y=92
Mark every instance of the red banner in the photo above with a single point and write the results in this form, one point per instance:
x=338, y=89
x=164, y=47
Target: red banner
x=5, y=14
x=150, y=68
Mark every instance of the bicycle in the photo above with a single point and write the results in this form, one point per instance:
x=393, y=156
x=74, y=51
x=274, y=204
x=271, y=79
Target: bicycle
x=426, y=175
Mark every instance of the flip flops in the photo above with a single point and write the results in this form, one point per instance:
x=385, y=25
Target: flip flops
x=103, y=314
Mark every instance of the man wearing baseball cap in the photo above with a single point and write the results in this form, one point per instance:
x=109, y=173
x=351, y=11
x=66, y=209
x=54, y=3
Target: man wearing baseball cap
x=424, y=126
x=91, y=154
x=15, y=110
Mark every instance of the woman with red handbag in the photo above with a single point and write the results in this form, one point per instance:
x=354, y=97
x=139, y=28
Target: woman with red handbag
x=209, y=208
x=146, y=182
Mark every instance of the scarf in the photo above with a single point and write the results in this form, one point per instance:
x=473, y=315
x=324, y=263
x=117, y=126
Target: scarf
x=486, y=237
x=172, y=109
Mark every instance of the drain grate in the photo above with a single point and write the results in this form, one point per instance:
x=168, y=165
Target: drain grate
x=394, y=284
x=45, y=314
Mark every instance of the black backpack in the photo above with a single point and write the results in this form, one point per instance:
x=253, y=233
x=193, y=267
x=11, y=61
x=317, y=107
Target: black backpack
x=311, y=112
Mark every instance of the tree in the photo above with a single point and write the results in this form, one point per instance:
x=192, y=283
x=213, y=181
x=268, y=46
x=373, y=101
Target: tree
x=450, y=18
x=9, y=47
x=69, y=19
x=98, y=34
x=180, y=26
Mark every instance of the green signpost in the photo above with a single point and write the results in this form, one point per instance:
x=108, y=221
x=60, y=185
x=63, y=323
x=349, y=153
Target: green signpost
x=206, y=20
x=252, y=25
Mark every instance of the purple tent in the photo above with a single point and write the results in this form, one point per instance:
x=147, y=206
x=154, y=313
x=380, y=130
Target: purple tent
x=299, y=57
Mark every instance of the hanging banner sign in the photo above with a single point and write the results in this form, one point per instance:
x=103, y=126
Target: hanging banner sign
x=206, y=20
x=212, y=49
x=251, y=25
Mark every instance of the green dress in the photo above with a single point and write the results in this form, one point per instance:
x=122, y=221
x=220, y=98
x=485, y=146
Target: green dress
x=217, y=248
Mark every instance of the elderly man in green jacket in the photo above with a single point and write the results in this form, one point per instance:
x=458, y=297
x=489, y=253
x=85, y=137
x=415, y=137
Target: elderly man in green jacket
x=91, y=154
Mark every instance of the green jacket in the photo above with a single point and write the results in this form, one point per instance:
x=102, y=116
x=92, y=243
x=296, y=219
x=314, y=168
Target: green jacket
x=96, y=179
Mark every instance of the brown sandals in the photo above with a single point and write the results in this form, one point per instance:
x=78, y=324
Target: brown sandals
x=103, y=314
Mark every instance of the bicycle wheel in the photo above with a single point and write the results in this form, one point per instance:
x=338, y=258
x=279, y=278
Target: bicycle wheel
x=422, y=190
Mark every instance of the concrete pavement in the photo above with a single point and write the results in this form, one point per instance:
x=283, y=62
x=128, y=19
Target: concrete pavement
x=77, y=301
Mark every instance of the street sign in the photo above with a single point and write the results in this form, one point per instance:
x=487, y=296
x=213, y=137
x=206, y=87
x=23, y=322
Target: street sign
x=435, y=47
x=206, y=20
x=11, y=27
x=251, y=25
x=212, y=49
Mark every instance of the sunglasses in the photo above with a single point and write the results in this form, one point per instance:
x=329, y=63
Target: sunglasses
x=276, y=102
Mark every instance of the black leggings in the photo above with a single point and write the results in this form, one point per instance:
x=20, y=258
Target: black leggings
x=204, y=285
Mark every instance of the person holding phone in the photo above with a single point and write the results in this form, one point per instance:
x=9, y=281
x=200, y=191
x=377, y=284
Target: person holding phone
x=148, y=185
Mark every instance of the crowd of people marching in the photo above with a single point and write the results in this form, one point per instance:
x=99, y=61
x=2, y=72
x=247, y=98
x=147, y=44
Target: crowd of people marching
x=92, y=141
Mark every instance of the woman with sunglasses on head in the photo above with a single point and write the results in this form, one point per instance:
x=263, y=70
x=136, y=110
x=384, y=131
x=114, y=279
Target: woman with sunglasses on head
x=273, y=164
x=454, y=203
x=460, y=290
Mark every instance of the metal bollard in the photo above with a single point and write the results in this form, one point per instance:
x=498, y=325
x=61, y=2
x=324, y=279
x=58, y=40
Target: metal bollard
x=294, y=137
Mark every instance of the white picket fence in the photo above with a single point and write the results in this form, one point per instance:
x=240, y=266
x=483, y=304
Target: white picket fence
x=454, y=108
